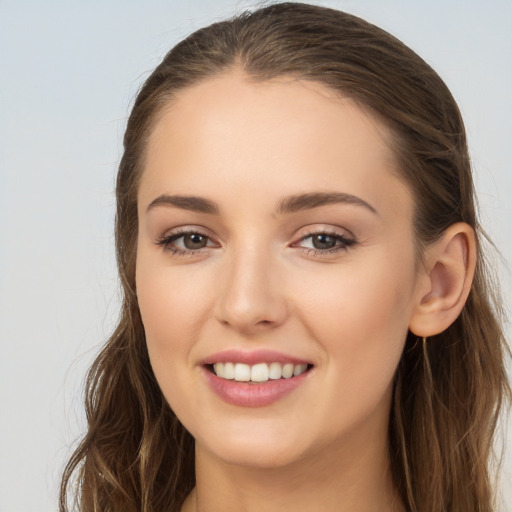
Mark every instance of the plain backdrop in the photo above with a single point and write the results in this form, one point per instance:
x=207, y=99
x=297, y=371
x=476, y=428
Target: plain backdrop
x=69, y=71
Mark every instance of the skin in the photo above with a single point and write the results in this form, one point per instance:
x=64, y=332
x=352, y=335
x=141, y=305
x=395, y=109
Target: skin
x=258, y=284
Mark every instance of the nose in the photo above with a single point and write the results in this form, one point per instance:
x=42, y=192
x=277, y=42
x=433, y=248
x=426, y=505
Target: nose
x=252, y=298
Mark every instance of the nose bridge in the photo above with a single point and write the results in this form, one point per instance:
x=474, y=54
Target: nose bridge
x=250, y=294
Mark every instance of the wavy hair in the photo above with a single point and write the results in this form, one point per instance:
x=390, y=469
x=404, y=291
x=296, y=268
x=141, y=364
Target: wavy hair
x=136, y=456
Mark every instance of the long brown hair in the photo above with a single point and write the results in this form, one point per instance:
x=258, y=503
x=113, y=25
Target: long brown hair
x=136, y=455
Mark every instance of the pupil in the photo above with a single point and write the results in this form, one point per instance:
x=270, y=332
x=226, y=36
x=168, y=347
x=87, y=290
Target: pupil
x=195, y=241
x=323, y=242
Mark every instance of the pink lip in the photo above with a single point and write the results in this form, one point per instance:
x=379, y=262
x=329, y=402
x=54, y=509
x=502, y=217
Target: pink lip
x=244, y=394
x=252, y=357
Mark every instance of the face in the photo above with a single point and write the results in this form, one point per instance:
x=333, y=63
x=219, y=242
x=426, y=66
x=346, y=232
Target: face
x=274, y=238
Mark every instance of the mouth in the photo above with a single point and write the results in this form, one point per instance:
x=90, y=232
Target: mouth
x=255, y=378
x=257, y=373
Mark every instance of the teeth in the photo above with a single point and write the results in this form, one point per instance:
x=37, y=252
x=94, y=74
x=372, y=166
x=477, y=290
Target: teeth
x=275, y=371
x=298, y=369
x=287, y=371
x=242, y=372
x=260, y=372
x=229, y=371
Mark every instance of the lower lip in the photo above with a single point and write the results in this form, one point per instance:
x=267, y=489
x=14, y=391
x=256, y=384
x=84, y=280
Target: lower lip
x=244, y=394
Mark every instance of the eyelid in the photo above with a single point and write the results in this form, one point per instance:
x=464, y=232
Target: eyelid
x=168, y=237
x=185, y=230
x=323, y=229
x=345, y=240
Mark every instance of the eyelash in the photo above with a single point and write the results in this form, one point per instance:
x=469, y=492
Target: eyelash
x=343, y=243
x=166, y=242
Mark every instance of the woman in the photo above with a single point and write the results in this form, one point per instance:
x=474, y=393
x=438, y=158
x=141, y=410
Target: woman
x=306, y=322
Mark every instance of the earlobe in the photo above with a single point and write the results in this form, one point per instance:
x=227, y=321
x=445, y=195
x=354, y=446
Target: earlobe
x=448, y=274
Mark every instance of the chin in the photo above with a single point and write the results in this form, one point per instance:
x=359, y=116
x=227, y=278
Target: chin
x=263, y=449
x=258, y=456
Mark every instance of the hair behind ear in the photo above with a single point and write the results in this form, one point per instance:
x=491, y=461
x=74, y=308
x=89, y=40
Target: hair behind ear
x=449, y=390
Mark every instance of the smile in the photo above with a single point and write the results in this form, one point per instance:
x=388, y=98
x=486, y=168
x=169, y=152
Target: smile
x=260, y=372
x=256, y=378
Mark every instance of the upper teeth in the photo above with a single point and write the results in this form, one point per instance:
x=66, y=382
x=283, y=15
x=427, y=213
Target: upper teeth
x=260, y=372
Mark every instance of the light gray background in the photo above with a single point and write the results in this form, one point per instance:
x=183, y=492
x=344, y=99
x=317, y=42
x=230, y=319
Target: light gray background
x=68, y=73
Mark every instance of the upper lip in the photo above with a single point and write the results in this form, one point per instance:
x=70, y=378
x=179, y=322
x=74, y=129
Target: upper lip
x=253, y=357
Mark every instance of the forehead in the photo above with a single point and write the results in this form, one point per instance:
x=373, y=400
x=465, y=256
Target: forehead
x=283, y=135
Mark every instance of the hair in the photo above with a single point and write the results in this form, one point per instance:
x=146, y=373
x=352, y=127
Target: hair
x=448, y=391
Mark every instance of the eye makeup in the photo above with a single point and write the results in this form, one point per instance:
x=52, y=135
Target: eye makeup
x=192, y=241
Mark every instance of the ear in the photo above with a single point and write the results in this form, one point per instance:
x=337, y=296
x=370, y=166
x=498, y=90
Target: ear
x=444, y=281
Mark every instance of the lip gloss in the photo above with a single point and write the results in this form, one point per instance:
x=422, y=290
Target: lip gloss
x=252, y=394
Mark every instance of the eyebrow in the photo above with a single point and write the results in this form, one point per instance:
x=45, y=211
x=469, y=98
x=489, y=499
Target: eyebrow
x=193, y=203
x=289, y=204
x=301, y=202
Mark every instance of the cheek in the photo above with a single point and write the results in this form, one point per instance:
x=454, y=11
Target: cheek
x=360, y=316
x=171, y=302
x=171, y=316
x=364, y=296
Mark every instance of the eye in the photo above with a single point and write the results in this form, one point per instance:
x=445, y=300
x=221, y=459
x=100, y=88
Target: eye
x=186, y=242
x=193, y=241
x=322, y=243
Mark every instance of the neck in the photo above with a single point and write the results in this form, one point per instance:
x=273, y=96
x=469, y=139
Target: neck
x=352, y=478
